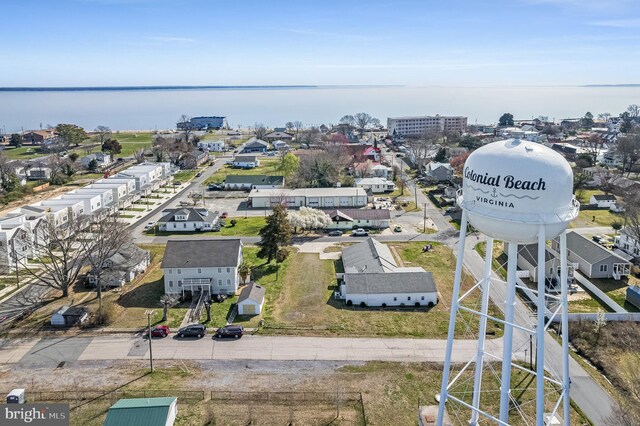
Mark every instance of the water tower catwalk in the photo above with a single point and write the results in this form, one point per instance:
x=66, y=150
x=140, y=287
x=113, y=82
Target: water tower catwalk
x=520, y=193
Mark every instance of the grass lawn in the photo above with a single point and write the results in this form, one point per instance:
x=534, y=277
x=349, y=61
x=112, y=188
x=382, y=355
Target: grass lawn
x=132, y=141
x=589, y=218
x=23, y=153
x=267, y=167
x=616, y=290
x=184, y=175
x=306, y=305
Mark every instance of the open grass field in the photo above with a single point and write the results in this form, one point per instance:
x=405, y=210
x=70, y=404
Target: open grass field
x=267, y=167
x=132, y=141
x=306, y=305
x=249, y=226
x=589, y=218
x=23, y=153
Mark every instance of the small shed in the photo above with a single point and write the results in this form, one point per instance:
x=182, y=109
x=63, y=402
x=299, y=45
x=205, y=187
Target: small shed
x=68, y=316
x=633, y=295
x=143, y=412
x=603, y=201
x=251, y=300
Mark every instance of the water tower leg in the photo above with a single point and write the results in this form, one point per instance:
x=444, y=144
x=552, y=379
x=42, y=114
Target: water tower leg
x=452, y=318
x=482, y=330
x=541, y=310
x=509, y=310
x=566, y=381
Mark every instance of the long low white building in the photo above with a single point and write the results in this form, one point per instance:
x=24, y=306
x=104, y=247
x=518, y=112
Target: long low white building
x=308, y=197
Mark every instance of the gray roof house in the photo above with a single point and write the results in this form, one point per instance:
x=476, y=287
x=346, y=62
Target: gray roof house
x=188, y=219
x=202, y=265
x=239, y=182
x=372, y=278
x=439, y=172
x=245, y=161
x=594, y=260
x=122, y=267
x=251, y=300
x=528, y=263
x=256, y=145
x=359, y=218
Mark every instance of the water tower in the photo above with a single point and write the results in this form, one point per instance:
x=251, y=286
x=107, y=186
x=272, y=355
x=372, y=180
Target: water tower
x=517, y=192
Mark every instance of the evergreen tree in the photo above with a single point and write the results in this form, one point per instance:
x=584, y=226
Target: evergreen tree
x=506, y=119
x=16, y=140
x=275, y=234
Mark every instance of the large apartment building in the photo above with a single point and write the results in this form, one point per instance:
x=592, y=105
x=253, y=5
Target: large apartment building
x=419, y=125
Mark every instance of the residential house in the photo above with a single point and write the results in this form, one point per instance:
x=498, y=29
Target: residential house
x=371, y=153
x=57, y=215
x=382, y=171
x=91, y=202
x=308, y=197
x=256, y=145
x=245, y=161
x=603, y=201
x=39, y=173
x=38, y=137
x=278, y=135
x=624, y=186
x=74, y=207
x=359, y=218
x=280, y=145
x=633, y=295
x=251, y=300
x=187, y=220
x=108, y=203
x=102, y=160
x=593, y=260
x=119, y=191
x=372, y=278
x=627, y=242
x=202, y=265
x=194, y=159
x=528, y=264
x=439, y=172
x=143, y=412
x=246, y=182
x=123, y=267
x=216, y=146
x=15, y=244
x=375, y=185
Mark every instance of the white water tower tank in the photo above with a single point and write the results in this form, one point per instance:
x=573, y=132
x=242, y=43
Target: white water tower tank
x=511, y=187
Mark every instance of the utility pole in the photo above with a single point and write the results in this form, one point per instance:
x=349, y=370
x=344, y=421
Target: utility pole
x=424, y=220
x=15, y=257
x=148, y=313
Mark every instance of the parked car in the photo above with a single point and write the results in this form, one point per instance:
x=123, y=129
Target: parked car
x=335, y=233
x=159, y=331
x=397, y=228
x=177, y=182
x=198, y=174
x=359, y=233
x=149, y=225
x=235, y=331
x=215, y=187
x=224, y=215
x=193, y=330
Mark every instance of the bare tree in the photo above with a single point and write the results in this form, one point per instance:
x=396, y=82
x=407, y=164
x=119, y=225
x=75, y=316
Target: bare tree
x=184, y=124
x=176, y=150
x=360, y=121
x=297, y=126
x=628, y=148
x=604, y=116
x=100, y=241
x=139, y=155
x=593, y=145
x=634, y=111
x=423, y=147
x=167, y=301
x=57, y=253
x=260, y=130
x=103, y=133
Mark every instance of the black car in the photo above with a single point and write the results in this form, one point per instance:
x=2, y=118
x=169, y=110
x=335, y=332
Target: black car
x=235, y=331
x=193, y=330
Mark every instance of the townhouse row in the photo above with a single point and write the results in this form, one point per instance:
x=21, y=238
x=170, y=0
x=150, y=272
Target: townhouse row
x=22, y=229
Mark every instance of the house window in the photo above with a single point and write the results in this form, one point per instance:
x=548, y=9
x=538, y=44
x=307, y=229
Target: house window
x=395, y=299
x=179, y=283
x=170, y=283
x=228, y=269
x=199, y=270
x=219, y=270
x=179, y=271
x=170, y=271
x=219, y=283
x=408, y=297
x=184, y=225
x=603, y=268
x=422, y=298
x=228, y=281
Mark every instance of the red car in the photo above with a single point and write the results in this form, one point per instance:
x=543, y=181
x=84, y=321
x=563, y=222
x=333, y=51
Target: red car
x=159, y=331
x=224, y=215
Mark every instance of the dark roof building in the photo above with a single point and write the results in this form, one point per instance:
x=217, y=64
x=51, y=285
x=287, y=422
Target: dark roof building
x=201, y=253
x=391, y=282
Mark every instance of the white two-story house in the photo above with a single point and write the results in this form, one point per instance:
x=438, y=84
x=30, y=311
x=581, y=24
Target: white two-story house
x=187, y=220
x=201, y=265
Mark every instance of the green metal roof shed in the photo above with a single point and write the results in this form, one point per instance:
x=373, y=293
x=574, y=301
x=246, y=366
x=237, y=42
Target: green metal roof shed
x=143, y=412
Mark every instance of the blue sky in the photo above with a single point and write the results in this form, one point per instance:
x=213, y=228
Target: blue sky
x=247, y=42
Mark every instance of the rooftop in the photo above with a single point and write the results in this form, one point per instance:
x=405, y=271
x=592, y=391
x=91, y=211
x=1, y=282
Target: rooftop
x=201, y=253
x=391, y=282
x=370, y=256
x=255, y=179
x=253, y=292
x=308, y=192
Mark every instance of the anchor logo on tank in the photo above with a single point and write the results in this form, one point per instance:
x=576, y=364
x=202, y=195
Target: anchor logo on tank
x=494, y=193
